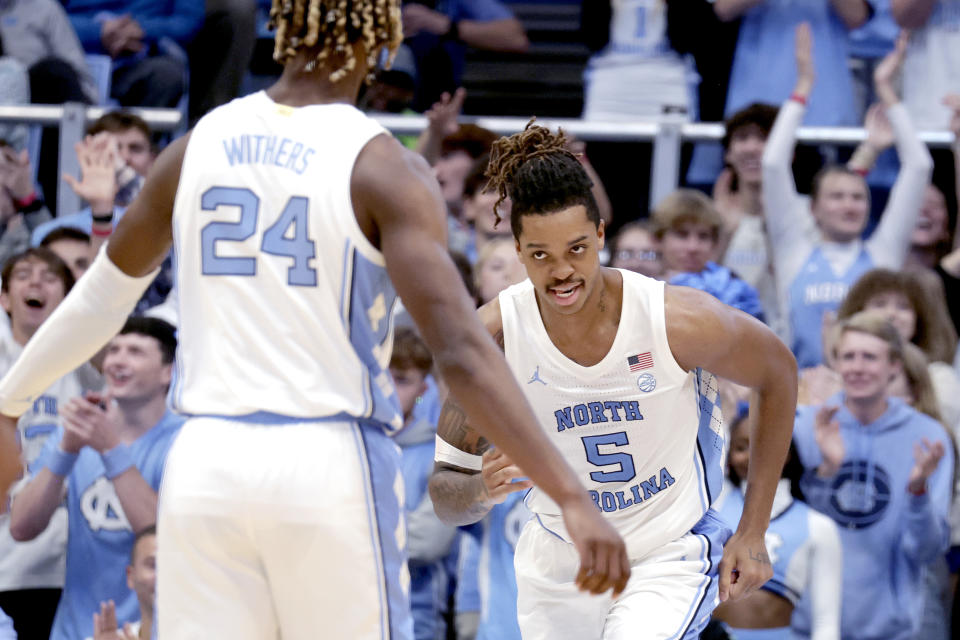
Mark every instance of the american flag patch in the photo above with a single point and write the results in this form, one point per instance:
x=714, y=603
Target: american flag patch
x=640, y=361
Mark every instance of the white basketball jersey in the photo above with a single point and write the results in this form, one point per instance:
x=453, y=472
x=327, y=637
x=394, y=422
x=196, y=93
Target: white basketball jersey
x=285, y=306
x=644, y=436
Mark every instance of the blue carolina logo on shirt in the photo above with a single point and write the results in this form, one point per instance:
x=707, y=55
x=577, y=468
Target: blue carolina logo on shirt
x=860, y=494
x=101, y=507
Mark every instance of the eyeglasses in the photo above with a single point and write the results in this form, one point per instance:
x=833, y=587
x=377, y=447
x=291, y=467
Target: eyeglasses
x=631, y=254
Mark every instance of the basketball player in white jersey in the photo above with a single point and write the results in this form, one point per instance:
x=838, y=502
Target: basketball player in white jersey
x=615, y=365
x=291, y=213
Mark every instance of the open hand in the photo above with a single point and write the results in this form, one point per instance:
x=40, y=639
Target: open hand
x=888, y=68
x=826, y=431
x=498, y=474
x=745, y=566
x=724, y=197
x=442, y=116
x=603, y=555
x=803, y=53
x=92, y=420
x=926, y=458
x=98, y=156
x=952, y=102
x=105, y=624
x=16, y=173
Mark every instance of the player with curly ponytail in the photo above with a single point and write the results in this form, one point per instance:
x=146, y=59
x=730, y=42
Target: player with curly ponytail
x=614, y=365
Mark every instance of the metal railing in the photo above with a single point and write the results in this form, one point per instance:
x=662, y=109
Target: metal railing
x=666, y=137
x=72, y=120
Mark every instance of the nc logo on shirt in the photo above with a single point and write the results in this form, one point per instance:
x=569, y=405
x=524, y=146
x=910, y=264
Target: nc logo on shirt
x=102, y=509
x=861, y=494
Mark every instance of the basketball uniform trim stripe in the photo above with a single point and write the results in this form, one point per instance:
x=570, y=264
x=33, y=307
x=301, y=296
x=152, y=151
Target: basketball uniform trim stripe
x=695, y=606
x=709, y=460
x=373, y=528
x=176, y=388
x=266, y=418
x=380, y=459
x=548, y=529
x=714, y=533
x=345, y=288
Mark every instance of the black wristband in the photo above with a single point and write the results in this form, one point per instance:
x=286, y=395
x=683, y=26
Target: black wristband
x=453, y=33
x=103, y=218
x=34, y=206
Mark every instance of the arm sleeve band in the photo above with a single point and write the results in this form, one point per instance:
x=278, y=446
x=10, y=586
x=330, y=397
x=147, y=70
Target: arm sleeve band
x=117, y=460
x=93, y=313
x=60, y=462
x=446, y=452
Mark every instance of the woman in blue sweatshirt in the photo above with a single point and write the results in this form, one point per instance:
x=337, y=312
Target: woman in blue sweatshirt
x=883, y=472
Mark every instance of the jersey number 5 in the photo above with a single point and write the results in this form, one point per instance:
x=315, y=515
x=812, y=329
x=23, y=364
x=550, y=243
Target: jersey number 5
x=592, y=446
x=277, y=239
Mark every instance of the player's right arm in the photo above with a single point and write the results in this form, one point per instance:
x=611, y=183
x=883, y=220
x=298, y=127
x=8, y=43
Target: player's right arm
x=469, y=477
x=398, y=205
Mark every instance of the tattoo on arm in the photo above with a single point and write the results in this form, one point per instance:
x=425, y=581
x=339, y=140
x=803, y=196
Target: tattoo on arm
x=760, y=556
x=459, y=495
x=452, y=427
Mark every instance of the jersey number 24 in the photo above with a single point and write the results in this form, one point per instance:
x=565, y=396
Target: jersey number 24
x=276, y=239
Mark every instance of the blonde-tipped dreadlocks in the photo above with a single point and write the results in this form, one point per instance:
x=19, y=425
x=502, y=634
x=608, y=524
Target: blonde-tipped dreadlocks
x=336, y=25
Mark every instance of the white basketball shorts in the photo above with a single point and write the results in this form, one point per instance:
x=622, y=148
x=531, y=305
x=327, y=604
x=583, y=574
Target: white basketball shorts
x=670, y=595
x=290, y=531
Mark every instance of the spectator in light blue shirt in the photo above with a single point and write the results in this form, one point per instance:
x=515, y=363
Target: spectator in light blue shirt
x=687, y=227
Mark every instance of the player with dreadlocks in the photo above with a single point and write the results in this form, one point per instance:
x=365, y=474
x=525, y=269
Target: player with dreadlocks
x=291, y=212
x=615, y=366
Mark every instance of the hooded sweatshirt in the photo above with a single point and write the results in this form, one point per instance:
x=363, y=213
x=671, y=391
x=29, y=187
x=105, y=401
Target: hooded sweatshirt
x=888, y=535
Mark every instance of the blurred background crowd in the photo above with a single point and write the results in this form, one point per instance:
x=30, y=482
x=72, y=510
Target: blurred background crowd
x=826, y=243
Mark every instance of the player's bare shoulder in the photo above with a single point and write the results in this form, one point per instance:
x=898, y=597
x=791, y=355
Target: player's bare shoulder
x=392, y=185
x=695, y=321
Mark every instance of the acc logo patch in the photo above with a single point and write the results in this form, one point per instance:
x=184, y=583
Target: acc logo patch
x=646, y=382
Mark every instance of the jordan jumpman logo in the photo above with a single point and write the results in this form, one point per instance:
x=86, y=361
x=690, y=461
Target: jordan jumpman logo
x=536, y=377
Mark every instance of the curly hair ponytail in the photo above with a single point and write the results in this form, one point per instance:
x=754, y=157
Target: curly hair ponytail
x=538, y=172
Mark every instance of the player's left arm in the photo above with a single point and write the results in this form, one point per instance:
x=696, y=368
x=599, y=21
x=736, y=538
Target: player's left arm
x=469, y=476
x=101, y=301
x=705, y=333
